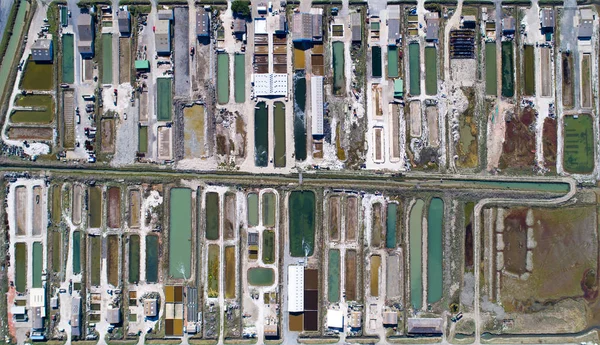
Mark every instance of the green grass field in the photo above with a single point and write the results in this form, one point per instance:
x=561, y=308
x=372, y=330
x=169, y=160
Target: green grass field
x=579, y=144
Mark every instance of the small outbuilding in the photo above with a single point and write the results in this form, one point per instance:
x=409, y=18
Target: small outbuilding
x=425, y=326
x=142, y=65
x=124, y=20
x=390, y=318
x=335, y=319
x=151, y=307
x=356, y=25
x=113, y=316
x=547, y=21
x=42, y=50
x=202, y=23
x=432, y=20
x=508, y=25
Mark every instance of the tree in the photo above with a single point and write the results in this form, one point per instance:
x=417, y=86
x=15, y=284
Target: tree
x=241, y=8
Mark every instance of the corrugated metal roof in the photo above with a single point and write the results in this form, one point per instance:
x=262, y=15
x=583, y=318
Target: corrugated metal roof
x=316, y=91
x=202, y=23
x=425, y=325
x=295, y=291
x=356, y=21
x=162, y=35
x=547, y=18
x=123, y=20
x=390, y=318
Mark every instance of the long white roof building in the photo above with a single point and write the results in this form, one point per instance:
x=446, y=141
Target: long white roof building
x=295, y=291
x=316, y=99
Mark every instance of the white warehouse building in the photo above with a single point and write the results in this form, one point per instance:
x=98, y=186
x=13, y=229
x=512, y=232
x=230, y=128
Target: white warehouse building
x=316, y=98
x=270, y=84
x=295, y=291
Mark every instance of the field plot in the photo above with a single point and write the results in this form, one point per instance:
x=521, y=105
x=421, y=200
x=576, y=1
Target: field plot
x=68, y=119
x=37, y=76
x=213, y=271
x=414, y=119
x=302, y=209
x=529, y=71
x=586, y=81
x=268, y=247
x=268, y=209
x=333, y=276
x=351, y=276
x=33, y=133
x=95, y=207
x=430, y=70
x=180, y=232
x=134, y=259
x=334, y=218
x=546, y=72
x=114, y=207
x=21, y=267
x=95, y=259
x=566, y=246
x=193, y=131
x=508, y=69
x=261, y=135
x=21, y=210
x=431, y=113
x=395, y=132
x=375, y=266
x=107, y=129
x=68, y=59
x=38, y=211
x=491, y=72
x=77, y=204
x=56, y=213
x=351, y=216
x=377, y=225
x=299, y=59
x=135, y=202
x=230, y=212
x=124, y=60
x=230, y=269
x=212, y=216
x=518, y=150
x=393, y=274
x=549, y=141
x=567, y=80
x=112, y=261
x=37, y=109
x=143, y=139
x=107, y=62
x=579, y=144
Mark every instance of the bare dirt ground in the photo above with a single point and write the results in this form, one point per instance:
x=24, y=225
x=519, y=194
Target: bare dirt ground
x=21, y=210
x=77, y=203
x=334, y=218
x=124, y=60
x=550, y=142
x=230, y=216
x=134, y=208
x=33, y=133
x=351, y=218
x=518, y=150
x=107, y=142
x=38, y=217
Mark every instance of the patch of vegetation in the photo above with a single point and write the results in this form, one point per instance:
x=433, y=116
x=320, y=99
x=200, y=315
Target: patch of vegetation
x=241, y=8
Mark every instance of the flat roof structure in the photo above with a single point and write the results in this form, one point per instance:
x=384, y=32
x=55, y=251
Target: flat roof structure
x=432, y=20
x=151, y=307
x=425, y=326
x=202, y=23
x=508, y=25
x=165, y=14
x=295, y=289
x=547, y=19
x=271, y=330
x=75, y=316
x=124, y=21
x=394, y=31
x=398, y=88
x=239, y=26
x=192, y=304
x=85, y=34
x=42, y=50
x=280, y=24
x=252, y=238
x=356, y=26
x=142, y=64
x=586, y=25
x=335, y=319
x=162, y=35
x=113, y=316
x=308, y=27
x=390, y=318
x=355, y=319
x=260, y=26
x=316, y=92
x=37, y=298
x=270, y=84
x=37, y=318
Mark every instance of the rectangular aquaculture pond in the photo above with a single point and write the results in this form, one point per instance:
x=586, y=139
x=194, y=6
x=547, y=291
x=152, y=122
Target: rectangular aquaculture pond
x=76, y=252
x=96, y=259
x=430, y=71
x=95, y=207
x=392, y=66
x=261, y=276
x=261, y=135
x=222, y=78
x=338, y=67
x=152, y=259
x=392, y=218
x=529, y=71
x=579, y=144
x=302, y=209
x=213, y=218
x=268, y=248
x=435, y=219
x=134, y=259
x=107, y=63
x=508, y=69
x=333, y=276
x=280, y=137
x=414, y=56
x=213, y=270
x=239, y=78
x=57, y=244
x=374, y=273
x=415, y=258
x=164, y=101
x=376, y=61
x=143, y=139
x=252, y=209
x=230, y=268
x=491, y=72
x=299, y=116
x=268, y=209
x=68, y=59
x=21, y=267
x=38, y=260
x=180, y=232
